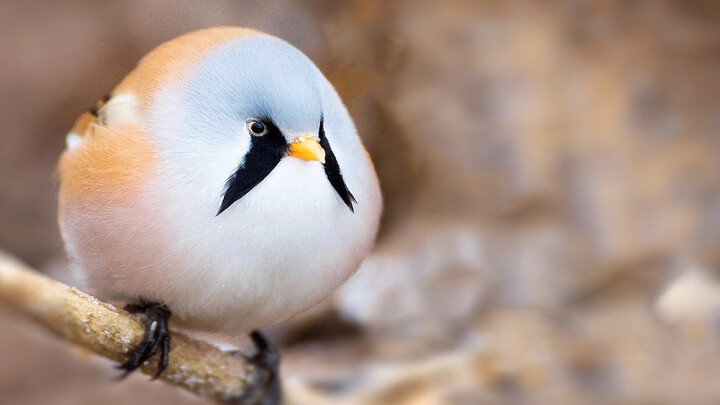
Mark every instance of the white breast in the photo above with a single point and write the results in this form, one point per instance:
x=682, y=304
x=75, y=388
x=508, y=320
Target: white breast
x=282, y=248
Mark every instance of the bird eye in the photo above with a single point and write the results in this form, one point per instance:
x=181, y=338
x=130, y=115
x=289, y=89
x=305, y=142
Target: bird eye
x=256, y=128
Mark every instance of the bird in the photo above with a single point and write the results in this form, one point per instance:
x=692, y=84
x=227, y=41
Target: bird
x=223, y=186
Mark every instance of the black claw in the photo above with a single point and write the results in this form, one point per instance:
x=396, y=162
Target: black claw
x=264, y=388
x=157, y=337
x=164, y=357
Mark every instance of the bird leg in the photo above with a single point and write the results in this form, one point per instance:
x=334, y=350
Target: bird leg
x=157, y=337
x=264, y=388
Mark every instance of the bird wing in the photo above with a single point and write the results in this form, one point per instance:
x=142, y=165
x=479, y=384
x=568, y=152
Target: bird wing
x=107, y=152
x=108, y=112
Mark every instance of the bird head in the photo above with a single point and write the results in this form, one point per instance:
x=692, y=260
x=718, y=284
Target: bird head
x=246, y=107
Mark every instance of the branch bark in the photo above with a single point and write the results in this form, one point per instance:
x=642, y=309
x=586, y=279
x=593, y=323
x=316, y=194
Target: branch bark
x=82, y=319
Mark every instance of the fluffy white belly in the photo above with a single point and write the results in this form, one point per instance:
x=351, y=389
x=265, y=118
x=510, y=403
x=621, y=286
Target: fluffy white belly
x=282, y=248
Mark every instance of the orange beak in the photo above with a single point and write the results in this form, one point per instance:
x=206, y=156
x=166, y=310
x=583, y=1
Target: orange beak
x=307, y=148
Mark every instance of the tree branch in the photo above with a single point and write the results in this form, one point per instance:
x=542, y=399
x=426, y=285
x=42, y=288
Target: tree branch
x=80, y=318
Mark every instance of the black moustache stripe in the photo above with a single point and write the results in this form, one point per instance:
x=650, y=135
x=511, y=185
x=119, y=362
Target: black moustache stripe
x=264, y=154
x=333, y=173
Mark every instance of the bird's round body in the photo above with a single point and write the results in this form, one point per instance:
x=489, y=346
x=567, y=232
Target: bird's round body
x=224, y=178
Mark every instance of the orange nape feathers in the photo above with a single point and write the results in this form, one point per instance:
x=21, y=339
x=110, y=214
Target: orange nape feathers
x=109, y=164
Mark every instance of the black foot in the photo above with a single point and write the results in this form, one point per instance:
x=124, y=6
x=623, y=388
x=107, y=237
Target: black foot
x=265, y=386
x=157, y=337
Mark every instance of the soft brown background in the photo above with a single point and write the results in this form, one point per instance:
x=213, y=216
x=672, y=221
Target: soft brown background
x=551, y=178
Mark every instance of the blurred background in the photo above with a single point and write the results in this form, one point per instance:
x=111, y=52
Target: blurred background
x=551, y=180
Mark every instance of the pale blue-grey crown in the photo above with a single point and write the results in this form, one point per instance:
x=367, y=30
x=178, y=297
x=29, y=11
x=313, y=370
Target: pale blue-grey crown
x=254, y=77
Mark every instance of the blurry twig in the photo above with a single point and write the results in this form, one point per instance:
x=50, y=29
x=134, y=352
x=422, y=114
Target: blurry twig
x=195, y=366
